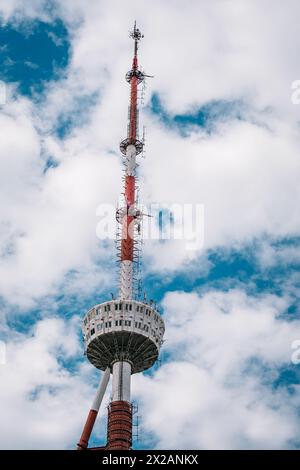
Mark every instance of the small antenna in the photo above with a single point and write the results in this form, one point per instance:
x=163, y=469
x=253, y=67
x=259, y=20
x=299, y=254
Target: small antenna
x=136, y=33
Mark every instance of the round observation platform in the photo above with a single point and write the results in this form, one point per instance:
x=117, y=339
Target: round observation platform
x=137, y=144
x=134, y=73
x=123, y=330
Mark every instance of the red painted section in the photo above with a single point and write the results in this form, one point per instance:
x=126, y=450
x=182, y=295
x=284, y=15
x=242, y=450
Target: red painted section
x=130, y=189
x=88, y=427
x=127, y=243
x=119, y=428
x=135, y=60
x=128, y=221
x=133, y=110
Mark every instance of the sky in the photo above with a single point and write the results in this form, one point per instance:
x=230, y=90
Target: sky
x=222, y=132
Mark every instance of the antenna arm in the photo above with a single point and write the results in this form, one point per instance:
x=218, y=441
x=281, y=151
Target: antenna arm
x=90, y=421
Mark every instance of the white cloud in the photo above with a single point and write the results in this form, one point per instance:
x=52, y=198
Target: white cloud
x=49, y=219
x=231, y=327
x=210, y=395
x=246, y=174
x=270, y=256
x=17, y=10
x=210, y=50
x=216, y=392
x=185, y=408
x=42, y=404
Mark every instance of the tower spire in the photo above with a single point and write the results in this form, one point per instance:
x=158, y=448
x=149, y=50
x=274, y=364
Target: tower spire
x=137, y=36
x=123, y=336
x=130, y=147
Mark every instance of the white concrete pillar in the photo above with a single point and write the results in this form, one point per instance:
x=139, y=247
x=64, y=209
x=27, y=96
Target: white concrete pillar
x=130, y=160
x=121, y=381
x=126, y=275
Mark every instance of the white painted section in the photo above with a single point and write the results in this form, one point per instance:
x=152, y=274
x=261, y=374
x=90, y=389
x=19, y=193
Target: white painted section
x=130, y=160
x=140, y=312
x=126, y=273
x=101, y=390
x=121, y=381
x=133, y=211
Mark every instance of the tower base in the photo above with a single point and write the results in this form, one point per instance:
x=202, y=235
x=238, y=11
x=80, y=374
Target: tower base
x=119, y=429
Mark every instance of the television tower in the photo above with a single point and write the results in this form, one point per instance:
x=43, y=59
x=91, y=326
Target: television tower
x=123, y=336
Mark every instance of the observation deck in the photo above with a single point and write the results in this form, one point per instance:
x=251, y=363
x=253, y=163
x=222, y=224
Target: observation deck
x=123, y=330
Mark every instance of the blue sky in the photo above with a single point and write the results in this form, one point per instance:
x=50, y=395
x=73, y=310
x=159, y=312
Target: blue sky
x=33, y=53
x=220, y=132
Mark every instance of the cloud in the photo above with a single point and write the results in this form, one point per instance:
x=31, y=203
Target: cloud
x=246, y=172
x=48, y=218
x=247, y=190
x=216, y=391
x=218, y=51
x=16, y=10
x=272, y=256
x=225, y=349
x=44, y=404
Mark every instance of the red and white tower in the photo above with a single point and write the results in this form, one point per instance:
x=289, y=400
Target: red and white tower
x=123, y=336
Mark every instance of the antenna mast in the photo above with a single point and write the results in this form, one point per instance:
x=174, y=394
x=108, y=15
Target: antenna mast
x=123, y=336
